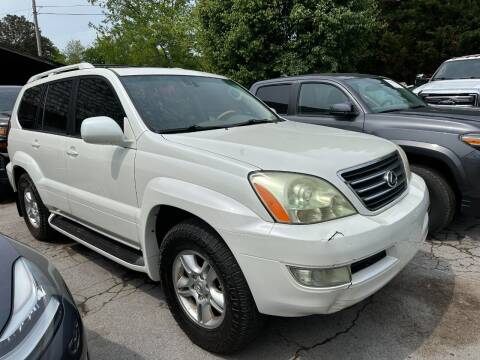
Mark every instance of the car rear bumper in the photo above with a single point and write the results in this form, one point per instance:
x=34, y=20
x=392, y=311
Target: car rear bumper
x=264, y=258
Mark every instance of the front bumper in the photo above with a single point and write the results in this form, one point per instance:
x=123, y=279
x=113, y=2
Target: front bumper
x=264, y=255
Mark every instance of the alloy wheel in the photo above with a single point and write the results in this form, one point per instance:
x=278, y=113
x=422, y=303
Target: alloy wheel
x=199, y=289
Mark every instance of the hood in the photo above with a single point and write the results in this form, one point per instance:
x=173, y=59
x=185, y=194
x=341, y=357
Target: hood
x=443, y=115
x=8, y=255
x=290, y=146
x=457, y=85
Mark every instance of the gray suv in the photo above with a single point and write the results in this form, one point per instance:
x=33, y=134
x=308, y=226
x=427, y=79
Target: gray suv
x=443, y=145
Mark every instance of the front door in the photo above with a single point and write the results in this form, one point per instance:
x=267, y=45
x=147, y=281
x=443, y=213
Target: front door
x=101, y=177
x=314, y=102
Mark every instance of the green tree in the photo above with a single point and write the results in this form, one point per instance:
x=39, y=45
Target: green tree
x=146, y=32
x=74, y=52
x=16, y=32
x=422, y=34
x=251, y=40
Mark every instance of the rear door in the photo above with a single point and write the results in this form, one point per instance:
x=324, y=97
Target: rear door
x=313, y=102
x=101, y=177
x=44, y=114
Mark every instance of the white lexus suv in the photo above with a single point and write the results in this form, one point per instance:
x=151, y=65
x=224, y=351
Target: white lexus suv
x=189, y=178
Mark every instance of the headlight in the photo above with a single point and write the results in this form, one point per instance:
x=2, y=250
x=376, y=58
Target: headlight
x=472, y=139
x=406, y=163
x=34, y=316
x=299, y=199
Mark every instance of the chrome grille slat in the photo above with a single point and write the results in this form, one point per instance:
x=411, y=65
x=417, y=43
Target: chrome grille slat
x=370, y=185
x=373, y=176
x=384, y=192
x=465, y=99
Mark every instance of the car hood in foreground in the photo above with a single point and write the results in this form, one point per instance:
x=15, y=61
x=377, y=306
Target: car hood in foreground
x=8, y=255
x=290, y=146
x=450, y=86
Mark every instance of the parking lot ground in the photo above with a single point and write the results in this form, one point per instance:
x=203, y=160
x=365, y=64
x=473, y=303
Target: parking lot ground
x=431, y=310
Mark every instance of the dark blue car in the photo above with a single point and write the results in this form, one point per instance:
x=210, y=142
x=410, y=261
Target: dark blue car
x=38, y=316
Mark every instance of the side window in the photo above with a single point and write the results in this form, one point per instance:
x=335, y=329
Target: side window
x=318, y=98
x=55, y=113
x=29, y=107
x=275, y=96
x=96, y=98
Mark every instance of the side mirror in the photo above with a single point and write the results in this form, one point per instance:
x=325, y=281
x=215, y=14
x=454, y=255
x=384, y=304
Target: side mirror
x=102, y=130
x=421, y=79
x=343, y=109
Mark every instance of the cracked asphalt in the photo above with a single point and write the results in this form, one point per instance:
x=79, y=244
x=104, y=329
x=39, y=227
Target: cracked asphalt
x=431, y=310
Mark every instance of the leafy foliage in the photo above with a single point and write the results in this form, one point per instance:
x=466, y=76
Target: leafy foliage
x=17, y=33
x=421, y=34
x=74, y=52
x=251, y=40
x=146, y=32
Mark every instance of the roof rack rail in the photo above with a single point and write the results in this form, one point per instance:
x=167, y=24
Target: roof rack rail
x=62, y=69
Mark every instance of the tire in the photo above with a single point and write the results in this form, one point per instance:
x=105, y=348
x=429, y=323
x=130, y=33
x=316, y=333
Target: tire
x=443, y=202
x=40, y=229
x=241, y=320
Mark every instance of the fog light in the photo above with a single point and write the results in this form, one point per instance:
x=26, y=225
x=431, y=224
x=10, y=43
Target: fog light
x=322, y=277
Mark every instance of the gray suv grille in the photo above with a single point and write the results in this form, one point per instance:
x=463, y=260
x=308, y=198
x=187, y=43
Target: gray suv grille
x=450, y=99
x=379, y=182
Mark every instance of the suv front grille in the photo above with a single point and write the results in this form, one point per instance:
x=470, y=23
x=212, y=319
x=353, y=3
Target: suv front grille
x=450, y=99
x=371, y=181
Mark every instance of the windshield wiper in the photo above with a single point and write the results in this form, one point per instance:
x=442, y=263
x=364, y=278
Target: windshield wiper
x=189, y=129
x=254, y=122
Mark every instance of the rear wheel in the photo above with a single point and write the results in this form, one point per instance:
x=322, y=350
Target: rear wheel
x=34, y=211
x=206, y=290
x=442, y=197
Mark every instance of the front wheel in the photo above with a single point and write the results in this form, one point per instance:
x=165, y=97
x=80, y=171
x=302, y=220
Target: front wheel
x=206, y=290
x=442, y=197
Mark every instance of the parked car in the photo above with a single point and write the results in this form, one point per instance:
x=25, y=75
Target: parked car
x=455, y=83
x=442, y=145
x=38, y=316
x=8, y=95
x=189, y=178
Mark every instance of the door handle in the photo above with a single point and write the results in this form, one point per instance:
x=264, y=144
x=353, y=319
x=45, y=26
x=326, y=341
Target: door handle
x=35, y=144
x=72, y=152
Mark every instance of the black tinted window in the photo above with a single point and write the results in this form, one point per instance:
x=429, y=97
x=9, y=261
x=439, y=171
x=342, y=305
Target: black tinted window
x=96, y=98
x=55, y=113
x=275, y=96
x=318, y=98
x=29, y=107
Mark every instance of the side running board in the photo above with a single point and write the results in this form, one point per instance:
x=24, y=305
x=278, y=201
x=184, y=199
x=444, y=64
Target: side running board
x=98, y=241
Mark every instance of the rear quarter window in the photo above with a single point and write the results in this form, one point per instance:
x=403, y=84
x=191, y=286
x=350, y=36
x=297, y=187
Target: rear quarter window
x=30, y=107
x=275, y=96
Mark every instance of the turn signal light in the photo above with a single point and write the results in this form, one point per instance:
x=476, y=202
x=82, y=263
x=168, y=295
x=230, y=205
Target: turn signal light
x=471, y=139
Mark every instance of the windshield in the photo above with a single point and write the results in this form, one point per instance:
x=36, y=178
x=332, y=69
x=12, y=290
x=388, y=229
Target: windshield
x=384, y=95
x=8, y=95
x=458, y=69
x=191, y=103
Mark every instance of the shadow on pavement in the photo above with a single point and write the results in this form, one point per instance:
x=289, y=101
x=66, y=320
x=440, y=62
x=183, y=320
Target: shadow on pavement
x=101, y=348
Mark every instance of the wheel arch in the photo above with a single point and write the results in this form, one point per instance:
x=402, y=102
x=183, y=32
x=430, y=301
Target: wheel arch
x=167, y=202
x=438, y=158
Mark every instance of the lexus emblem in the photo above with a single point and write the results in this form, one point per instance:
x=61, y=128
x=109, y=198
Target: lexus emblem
x=391, y=178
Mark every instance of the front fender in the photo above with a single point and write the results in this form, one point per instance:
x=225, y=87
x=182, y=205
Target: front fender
x=221, y=212
x=438, y=152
